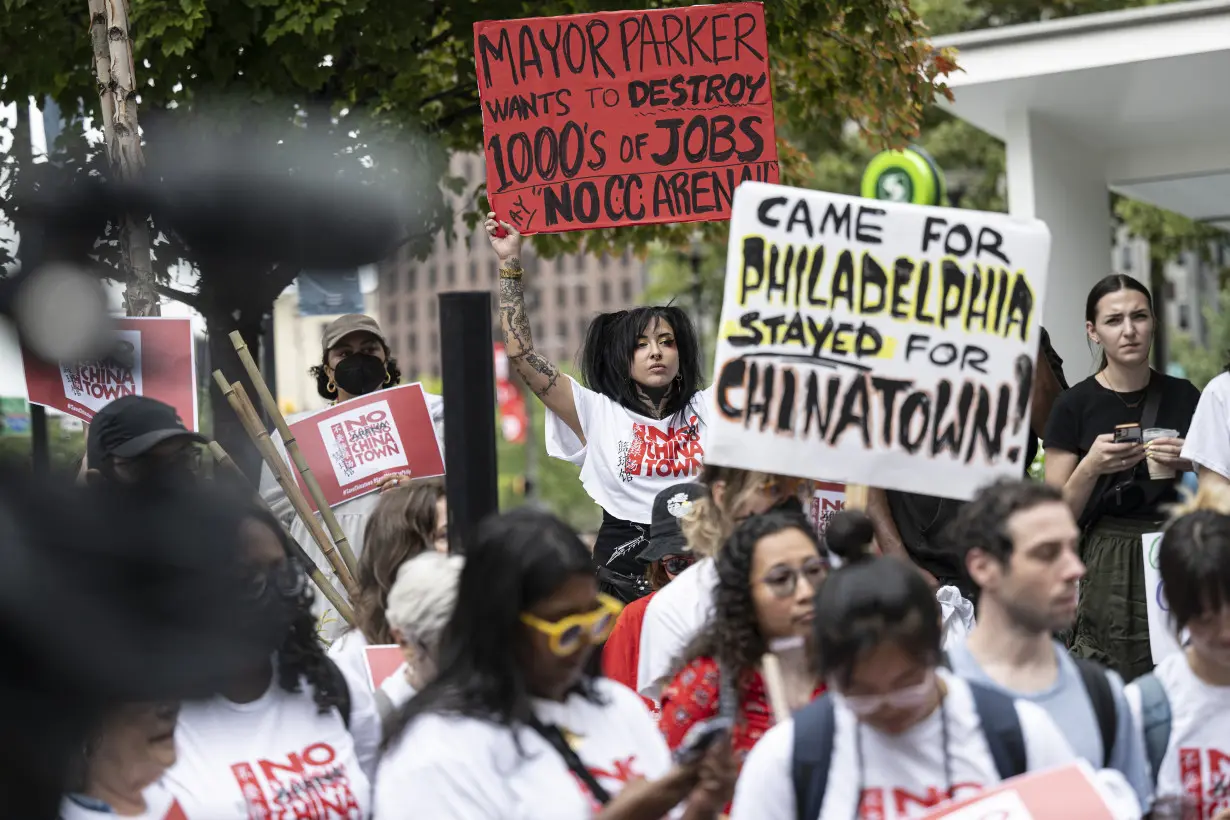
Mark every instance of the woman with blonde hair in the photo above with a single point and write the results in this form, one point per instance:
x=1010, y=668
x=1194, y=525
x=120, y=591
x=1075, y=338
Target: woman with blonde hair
x=408, y=521
x=679, y=611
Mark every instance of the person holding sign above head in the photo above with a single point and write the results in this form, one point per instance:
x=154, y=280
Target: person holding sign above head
x=355, y=361
x=1183, y=706
x=635, y=427
x=1113, y=445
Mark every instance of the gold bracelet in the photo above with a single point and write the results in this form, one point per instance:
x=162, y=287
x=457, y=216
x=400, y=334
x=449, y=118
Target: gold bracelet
x=506, y=273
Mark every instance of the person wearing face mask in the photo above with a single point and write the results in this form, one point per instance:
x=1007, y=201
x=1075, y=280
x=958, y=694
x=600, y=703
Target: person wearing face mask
x=513, y=726
x=1183, y=706
x=636, y=421
x=408, y=521
x=355, y=361
x=119, y=774
x=679, y=611
x=1117, y=484
x=895, y=735
x=768, y=573
x=137, y=441
x=667, y=556
x=293, y=734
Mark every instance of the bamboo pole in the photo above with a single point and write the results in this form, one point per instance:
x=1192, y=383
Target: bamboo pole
x=292, y=448
x=322, y=583
x=260, y=437
x=856, y=496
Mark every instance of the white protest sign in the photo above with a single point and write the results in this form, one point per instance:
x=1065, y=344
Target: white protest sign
x=1162, y=641
x=876, y=343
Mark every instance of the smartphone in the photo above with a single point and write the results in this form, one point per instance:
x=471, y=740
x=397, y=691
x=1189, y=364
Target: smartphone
x=700, y=738
x=1128, y=433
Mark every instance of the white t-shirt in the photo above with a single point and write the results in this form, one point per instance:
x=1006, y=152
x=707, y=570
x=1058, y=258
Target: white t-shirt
x=468, y=769
x=160, y=804
x=627, y=458
x=351, y=517
x=1196, y=766
x=396, y=688
x=903, y=774
x=1208, y=436
x=675, y=615
x=276, y=758
x=349, y=653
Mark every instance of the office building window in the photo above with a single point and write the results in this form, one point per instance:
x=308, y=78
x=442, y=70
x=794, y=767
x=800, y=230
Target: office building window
x=473, y=273
x=603, y=261
x=432, y=276
x=492, y=269
x=412, y=344
x=412, y=311
x=1185, y=317
x=604, y=292
x=1127, y=258
x=625, y=289
x=450, y=275
x=435, y=370
x=390, y=314
x=533, y=299
x=561, y=330
x=582, y=324
x=582, y=294
x=412, y=278
x=431, y=308
x=561, y=296
x=434, y=342
x=580, y=260
x=394, y=274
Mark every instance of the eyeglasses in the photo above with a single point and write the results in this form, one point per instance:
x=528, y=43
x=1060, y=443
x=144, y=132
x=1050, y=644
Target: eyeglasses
x=914, y=696
x=567, y=634
x=286, y=578
x=782, y=581
x=780, y=488
x=675, y=564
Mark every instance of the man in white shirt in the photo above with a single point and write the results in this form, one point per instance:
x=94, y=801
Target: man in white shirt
x=1020, y=545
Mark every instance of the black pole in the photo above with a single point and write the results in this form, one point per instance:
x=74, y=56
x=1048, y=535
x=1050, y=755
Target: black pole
x=469, y=413
x=38, y=436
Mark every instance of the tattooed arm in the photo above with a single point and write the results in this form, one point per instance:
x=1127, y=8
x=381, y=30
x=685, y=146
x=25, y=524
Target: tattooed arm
x=542, y=376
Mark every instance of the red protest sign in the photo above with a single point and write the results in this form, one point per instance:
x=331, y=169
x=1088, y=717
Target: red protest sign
x=1067, y=791
x=154, y=357
x=382, y=661
x=354, y=444
x=624, y=118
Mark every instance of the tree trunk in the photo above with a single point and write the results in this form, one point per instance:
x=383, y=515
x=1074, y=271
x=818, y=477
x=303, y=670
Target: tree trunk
x=117, y=95
x=227, y=429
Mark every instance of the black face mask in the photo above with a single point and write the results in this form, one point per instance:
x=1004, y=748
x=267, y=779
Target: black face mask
x=359, y=374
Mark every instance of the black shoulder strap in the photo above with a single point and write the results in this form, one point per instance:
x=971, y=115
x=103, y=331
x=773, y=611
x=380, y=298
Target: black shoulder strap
x=1002, y=727
x=1102, y=697
x=343, y=691
x=556, y=738
x=814, y=727
x=1155, y=719
x=1153, y=401
x=1107, y=481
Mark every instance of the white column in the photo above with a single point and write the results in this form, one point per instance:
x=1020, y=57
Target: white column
x=1053, y=177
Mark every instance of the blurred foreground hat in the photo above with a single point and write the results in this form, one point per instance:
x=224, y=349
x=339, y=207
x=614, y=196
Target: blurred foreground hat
x=130, y=426
x=665, y=531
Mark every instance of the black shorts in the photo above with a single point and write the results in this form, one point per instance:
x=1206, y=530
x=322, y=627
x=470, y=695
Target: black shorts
x=620, y=572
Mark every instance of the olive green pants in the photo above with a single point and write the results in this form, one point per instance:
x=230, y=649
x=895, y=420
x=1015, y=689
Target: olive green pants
x=1112, y=619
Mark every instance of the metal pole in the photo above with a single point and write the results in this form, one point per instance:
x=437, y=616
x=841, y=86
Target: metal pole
x=38, y=436
x=468, y=367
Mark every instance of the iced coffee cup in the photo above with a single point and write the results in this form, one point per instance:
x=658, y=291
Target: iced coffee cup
x=1156, y=469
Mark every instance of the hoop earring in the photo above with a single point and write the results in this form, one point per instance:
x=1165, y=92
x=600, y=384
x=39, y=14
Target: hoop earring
x=678, y=377
x=388, y=377
x=331, y=387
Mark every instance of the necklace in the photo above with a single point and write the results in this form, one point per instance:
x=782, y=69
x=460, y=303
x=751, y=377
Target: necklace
x=949, y=786
x=1111, y=387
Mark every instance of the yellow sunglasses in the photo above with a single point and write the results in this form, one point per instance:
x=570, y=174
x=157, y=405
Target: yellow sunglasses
x=567, y=634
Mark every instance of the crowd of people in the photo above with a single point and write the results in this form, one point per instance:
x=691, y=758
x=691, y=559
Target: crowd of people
x=712, y=655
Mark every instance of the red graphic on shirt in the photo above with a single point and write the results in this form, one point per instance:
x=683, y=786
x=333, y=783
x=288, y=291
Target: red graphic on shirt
x=309, y=785
x=622, y=771
x=675, y=452
x=176, y=812
x=1206, y=794
x=885, y=804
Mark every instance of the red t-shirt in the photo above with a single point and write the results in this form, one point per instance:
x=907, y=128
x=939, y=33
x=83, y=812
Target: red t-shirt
x=622, y=652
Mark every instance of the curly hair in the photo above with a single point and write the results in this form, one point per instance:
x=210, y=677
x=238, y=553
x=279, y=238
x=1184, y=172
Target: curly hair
x=301, y=655
x=318, y=372
x=732, y=636
x=402, y=526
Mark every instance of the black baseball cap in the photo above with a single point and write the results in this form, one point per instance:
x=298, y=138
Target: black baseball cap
x=130, y=426
x=669, y=508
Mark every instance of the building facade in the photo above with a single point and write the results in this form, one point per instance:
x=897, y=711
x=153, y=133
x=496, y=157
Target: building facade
x=562, y=294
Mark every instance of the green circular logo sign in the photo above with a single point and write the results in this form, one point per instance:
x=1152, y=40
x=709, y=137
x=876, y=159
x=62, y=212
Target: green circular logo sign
x=895, y=185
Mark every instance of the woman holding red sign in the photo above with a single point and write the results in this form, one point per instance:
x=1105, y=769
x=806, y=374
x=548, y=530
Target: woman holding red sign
x=634, y=423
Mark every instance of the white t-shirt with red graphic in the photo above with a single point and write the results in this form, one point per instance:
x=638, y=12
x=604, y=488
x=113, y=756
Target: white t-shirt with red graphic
x=469, y=769
x=160, y=804
x=1196, y=767
x=276, y=758
x=627, y=458
x=903, y=775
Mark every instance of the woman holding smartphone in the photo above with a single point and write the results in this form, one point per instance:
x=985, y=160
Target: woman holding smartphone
x=1113, y=445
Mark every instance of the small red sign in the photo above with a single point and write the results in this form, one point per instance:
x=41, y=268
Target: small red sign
x=1068, y=791
x=624, y=118
x=351, y=446
x=382, y=662
x=153, y=357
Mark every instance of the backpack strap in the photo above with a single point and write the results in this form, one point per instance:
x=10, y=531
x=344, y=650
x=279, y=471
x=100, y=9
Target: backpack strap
x=1102, y=697
x=343, y=690
x=1155, y=718
x=1002, y=727
x=814, y=727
